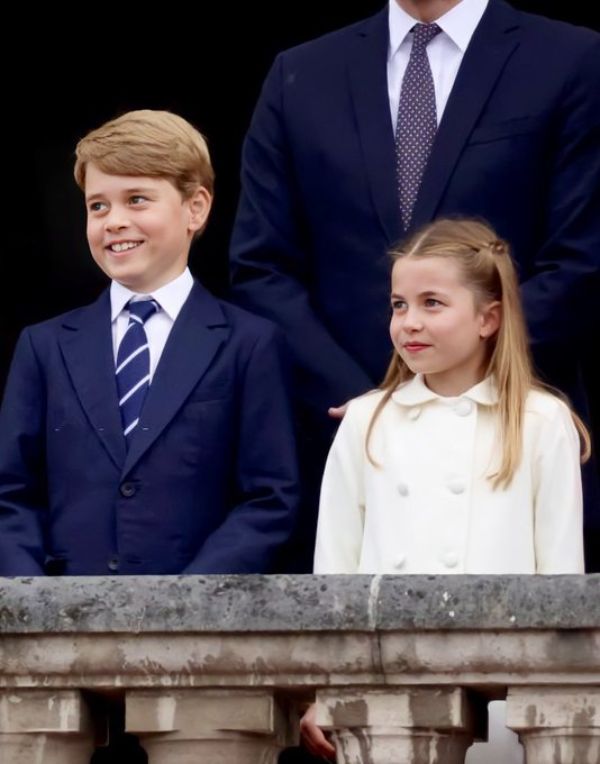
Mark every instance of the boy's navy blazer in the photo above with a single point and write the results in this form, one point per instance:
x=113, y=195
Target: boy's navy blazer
x=208, y=484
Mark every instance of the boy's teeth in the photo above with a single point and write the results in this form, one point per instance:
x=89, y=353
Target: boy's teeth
x=122, y=247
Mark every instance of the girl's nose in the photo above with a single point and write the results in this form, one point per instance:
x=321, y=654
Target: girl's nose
x=412, y=320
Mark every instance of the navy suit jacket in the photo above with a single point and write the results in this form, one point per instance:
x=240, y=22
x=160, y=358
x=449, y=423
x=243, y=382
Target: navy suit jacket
x=517, y=145
x=208, y=484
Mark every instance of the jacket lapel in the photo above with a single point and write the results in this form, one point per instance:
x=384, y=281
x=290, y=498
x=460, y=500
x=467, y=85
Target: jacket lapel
x=367, y=70
x=86, y=346
x=493, y=42
x=198, y=333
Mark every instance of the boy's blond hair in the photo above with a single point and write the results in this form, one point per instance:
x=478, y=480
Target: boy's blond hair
x=151, y=143
x=488, y=271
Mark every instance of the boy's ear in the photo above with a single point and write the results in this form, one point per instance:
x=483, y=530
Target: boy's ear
x=491, y=315
x=199, y=203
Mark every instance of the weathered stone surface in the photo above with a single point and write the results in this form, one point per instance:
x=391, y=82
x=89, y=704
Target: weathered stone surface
x=184, y=603
x=194, y=651
x=49, y=726
x=556, y=724
x=440, y=708
x=189, y=726
x=488, y=602
x=297, y=603
x=553, y=707
x=197, y=714
x=43, y=711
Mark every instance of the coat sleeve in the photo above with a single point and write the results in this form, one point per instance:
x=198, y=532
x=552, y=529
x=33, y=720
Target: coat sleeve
x=23, y=499
x=264, y=491
x=563, y=287
x=558, y=503
x=342, y=505
x=270, y=263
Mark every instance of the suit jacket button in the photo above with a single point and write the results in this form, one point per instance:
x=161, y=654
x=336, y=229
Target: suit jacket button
x=127, y=489
x=113, y=563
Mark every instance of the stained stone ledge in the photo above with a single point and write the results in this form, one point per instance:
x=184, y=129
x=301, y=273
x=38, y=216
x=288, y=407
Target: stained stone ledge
x=283, y=604
x=210, y=668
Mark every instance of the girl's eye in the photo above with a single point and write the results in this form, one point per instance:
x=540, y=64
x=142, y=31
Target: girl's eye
x=398, y=304
x=431, y=302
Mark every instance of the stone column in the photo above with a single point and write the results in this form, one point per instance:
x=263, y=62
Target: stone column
x=556, y=725
x=209, y=726
x=49, y=726
x=412, y=725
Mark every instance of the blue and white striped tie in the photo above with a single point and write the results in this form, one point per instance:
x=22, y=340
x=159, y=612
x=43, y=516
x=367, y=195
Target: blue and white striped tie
x=133, y=364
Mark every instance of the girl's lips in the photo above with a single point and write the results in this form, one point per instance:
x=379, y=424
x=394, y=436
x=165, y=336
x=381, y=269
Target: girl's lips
x=414, y=347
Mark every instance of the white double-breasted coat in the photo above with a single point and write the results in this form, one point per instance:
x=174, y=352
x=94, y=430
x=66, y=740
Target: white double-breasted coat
x=429, y=507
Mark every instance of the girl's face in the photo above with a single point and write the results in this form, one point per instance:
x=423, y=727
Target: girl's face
x=437, y=327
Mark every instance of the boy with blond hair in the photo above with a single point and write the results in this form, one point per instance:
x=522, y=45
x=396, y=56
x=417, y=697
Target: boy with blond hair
x=150, y=431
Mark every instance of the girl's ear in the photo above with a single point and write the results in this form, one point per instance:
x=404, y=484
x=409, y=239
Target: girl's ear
x=491, y=316
x=199, y=203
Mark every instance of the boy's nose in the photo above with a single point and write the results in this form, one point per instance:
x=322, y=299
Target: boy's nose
x=116, y=220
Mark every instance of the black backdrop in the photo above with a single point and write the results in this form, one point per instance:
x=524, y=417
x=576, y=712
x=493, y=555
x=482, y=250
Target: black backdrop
x=72, y=72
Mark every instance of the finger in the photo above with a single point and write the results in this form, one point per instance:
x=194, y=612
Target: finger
x=337, y=412
x=316, y=742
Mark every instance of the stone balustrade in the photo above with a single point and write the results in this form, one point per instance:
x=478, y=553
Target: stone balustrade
x=213, y=669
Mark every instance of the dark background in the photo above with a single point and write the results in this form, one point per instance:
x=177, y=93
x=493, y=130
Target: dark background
x=73, y=73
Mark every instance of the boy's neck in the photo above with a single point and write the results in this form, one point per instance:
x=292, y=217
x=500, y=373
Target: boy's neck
x=153, y=287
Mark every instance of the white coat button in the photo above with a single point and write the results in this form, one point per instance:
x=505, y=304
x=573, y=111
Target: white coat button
x=463, y=407
x=402, y=489
x=456, y=486
x=450, y=559
x=400, y=561
x=414, y=413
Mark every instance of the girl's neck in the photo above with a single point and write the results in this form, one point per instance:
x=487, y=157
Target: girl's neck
x=451, y=386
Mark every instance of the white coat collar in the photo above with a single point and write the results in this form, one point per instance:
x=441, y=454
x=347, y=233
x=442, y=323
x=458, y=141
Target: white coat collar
x=415, y=392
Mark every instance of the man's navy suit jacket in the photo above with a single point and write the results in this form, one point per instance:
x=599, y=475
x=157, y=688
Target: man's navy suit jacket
x=517, y=146
x=208, y=483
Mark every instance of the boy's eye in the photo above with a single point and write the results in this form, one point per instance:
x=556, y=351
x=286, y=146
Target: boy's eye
x=138, y=199
x=97, y=206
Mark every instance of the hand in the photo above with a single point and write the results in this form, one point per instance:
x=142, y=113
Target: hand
x=313, y=738
x=337, y=412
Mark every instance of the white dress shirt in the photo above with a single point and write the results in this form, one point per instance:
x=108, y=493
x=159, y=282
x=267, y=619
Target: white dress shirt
x=170, y=297
x=445, y=52
x=428, y=508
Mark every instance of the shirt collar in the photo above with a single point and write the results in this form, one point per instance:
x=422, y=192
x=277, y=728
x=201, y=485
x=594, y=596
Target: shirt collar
x=170, y=297
x=415, y=392
x=458, y=23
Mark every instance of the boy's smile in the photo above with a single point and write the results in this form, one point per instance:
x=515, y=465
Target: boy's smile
x=140, y=228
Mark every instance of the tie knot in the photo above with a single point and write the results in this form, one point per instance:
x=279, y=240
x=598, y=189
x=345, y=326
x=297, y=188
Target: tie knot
x=142, y=309
x=424, y=34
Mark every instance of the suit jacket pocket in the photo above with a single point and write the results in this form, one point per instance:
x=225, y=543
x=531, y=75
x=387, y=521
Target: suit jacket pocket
x=510, y=128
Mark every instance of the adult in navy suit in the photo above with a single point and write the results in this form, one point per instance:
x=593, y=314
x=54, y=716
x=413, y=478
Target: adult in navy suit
x=204, y=479
x=517, y=144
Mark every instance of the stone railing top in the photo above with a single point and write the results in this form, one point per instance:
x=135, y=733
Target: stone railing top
x=284, y=603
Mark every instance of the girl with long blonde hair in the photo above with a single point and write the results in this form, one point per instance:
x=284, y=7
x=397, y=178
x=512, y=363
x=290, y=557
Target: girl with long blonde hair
x=462, y=462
